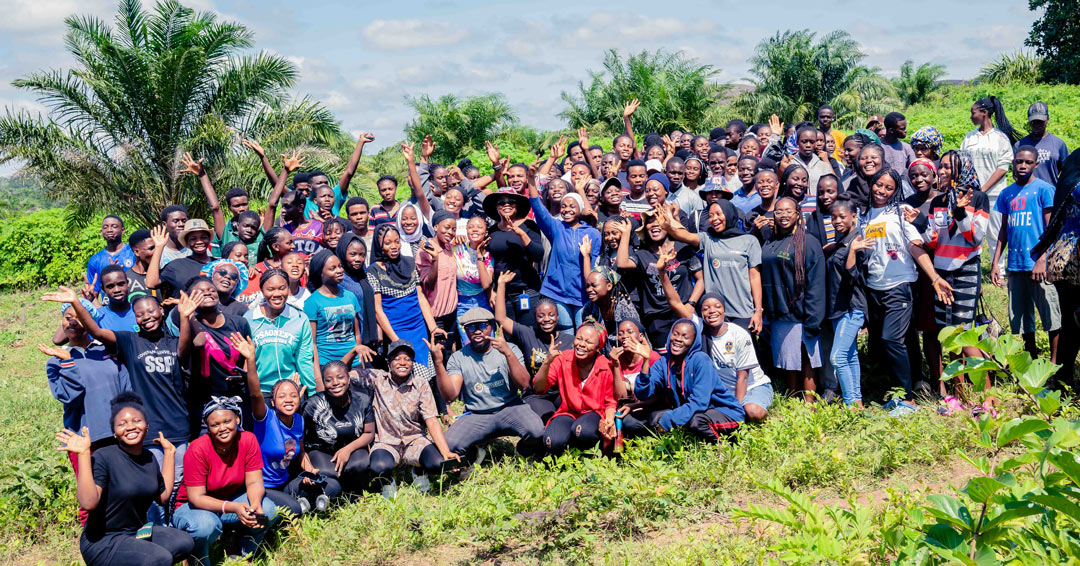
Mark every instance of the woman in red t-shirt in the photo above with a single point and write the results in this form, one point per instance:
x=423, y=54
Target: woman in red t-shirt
x=586, y=382
x=222, y=476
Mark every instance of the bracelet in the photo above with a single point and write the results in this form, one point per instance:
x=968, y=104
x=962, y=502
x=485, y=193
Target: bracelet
x=223, y=507
x=496, y=167
x=934, y=282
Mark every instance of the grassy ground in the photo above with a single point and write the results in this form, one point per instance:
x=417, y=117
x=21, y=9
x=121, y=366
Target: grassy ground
x=667, y=501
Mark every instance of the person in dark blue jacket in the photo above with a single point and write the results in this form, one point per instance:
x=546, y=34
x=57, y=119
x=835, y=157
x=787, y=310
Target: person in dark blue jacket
x=684, y=381
x=794, y=293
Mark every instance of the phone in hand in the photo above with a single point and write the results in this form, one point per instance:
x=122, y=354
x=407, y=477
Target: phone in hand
x=439, y=338
x=262, y=520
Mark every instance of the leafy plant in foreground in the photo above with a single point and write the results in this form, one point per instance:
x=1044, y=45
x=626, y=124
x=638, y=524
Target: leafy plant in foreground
x=1022, y=508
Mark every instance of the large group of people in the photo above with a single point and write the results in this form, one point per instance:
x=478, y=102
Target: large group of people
x=218, y=378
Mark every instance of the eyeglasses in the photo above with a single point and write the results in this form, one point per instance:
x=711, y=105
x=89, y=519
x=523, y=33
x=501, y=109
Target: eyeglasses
x=505, y=201
x=230, y=275
x=474, y=326
x=717, y=162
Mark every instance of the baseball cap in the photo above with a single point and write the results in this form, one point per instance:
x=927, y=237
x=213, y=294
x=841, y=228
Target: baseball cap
x=1038, y=111
x=400, y=345
x=654, y=165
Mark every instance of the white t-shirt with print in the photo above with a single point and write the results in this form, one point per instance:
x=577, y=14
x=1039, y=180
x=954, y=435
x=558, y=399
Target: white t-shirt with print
x=889, y=263
x=733, y=351
x=989, y=152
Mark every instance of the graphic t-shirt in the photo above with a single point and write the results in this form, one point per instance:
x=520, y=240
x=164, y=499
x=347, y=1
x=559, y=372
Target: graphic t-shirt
x=333, y=318
x=129, y=484
x=487, y=386
x=655, y=308
x=733, y=351
x=468, y=271
x=328, y=426
x=217, y=364
x=727, y=264
x=1052, y=155
x=137, y=286
x=1024, y=207
x=156, y=376
x=890, y=262
x=123, y=257
x=279, y=444
x=307, y=237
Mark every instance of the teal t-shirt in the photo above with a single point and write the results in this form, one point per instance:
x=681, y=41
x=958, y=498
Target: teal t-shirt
x=333, y=318
x=339, y=201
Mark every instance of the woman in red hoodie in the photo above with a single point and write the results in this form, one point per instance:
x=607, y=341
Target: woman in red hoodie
x=585, y=379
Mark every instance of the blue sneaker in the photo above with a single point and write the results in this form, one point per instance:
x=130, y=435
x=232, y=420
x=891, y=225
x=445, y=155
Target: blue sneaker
x=903, y=409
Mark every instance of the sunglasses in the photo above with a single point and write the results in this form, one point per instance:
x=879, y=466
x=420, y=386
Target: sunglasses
x=474, y=326
x=230, y=275
x=505, y=201
x=717, y=162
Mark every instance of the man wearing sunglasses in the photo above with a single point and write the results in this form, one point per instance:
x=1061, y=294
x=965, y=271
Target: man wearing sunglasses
x=488, y=374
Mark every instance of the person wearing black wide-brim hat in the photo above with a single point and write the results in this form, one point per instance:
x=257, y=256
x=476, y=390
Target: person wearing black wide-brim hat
x=516, y=247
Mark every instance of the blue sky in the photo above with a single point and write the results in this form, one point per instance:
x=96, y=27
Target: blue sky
x=361, y=58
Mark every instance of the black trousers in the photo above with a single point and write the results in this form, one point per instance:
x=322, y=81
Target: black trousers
x=544, y=404
x=515, y=312
x=353, y=476
x=565, y=431
x=889, y=318
x=1069, y=339
x=166, y=547
x=711, y=425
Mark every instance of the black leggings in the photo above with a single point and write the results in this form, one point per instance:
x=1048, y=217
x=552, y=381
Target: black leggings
x=581, y=433
x=382, y=462
x=353, y=475
x=166, y=547
x=544, y=404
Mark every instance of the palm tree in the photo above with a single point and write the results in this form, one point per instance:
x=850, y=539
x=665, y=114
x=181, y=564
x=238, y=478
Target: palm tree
x=793, y=75
x=916, y=85
x=675, y=92
x=1019, y=67
x=458, y=125
x=162, y=82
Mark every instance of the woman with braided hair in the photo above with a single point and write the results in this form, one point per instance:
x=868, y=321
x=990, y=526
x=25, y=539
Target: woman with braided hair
x=793, y=285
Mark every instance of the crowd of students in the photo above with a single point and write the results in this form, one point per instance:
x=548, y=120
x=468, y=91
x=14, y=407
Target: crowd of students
x=215, y=375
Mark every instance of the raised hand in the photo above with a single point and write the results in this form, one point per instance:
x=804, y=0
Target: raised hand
x=666, y=255
x=407, y=151
x=586, y=247
x=617, y=352
x=87, y=290
x=506, y=277
x=292, y=162
x=367, y=137
x=910, y=214
x=190, y=165
x=499, y=343
x=159, y=235
x=492, y=152
x=427, y=147
x=166, y=446
x=861, y=243
x=364, y=354
x=243, y=345
x=639, y=346
x=630, y=108
x=553, y=349
x=54, y=351
x=77, y=443
x=776, y=126
x=190, y=303
x=254, y=146
x=558, y=149
x=455, y=173
x=669, y=146
x=964, y=199
x=583, y=139
x=436, y=350
x=61, y=295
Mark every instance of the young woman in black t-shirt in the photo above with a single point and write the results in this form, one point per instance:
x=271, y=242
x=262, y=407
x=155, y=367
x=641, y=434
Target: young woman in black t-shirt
x=117, y=485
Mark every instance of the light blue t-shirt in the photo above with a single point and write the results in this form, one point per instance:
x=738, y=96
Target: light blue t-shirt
x=339, y=201
x=333, y=318
x=1023, y=206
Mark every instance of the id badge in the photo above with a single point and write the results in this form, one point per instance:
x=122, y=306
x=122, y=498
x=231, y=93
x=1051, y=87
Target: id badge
x=523, y=302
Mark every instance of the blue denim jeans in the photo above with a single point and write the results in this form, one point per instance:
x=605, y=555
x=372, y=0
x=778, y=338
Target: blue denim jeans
x=157, y=514
x=205, y=527
x=569, y=315
x=845, y=354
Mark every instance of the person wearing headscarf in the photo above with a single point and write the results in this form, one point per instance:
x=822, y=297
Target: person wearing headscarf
x=218, y=492
x=991, y=150
x=850, y=149
x=401, y=308
x=958, y=220
x=411, y=224
x=870, y=161
x=609, y=302
x=731, y=260
x=927, y=142
x=352, y=250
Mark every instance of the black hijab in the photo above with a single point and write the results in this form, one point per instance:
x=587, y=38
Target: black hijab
x=731, y=220
x=401, y=268
x=342, y=247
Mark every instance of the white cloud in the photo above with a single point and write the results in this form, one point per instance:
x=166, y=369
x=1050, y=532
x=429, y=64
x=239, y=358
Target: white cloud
x=391, y=35
x=608, y=27
x=336, y=100
x=48, y=15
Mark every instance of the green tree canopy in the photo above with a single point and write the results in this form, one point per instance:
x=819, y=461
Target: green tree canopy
x=458, y=125
x=162, y=82
x=675, y=92
x=915, y=85
x=1017, y=68
x=1056, y=38
x=793, y=75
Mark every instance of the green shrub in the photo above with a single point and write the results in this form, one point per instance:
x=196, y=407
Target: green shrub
x=38, y=249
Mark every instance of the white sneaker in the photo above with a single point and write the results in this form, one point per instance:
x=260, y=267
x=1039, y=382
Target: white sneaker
x=389, y=490
x=322, y=502
x=305, y=505
x=421, y=482
x=481, y=453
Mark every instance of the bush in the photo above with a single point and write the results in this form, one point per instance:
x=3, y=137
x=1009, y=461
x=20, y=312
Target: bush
x=38, y=249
